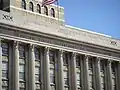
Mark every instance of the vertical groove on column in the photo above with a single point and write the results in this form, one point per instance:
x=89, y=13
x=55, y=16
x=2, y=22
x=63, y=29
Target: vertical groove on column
x=86, y=82
x=16, y=66
x=47, y=71
x=98, y=76
x=60, y=70
x=0, y=66
x=31, y=68
x=73, y=72
x=109, y=75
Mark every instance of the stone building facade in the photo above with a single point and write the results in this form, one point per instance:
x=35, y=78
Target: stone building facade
x=38, y=51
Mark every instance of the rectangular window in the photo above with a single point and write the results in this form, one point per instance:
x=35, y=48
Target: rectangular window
x=22, y=64
x=52, y=69
x=66, y=70
x=37, y=68
x=5, y=64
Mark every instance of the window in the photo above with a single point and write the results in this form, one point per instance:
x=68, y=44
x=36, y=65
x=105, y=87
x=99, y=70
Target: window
x=102, y=73
x=37, y=68
x=45, y=10
x=38, y=8
x=90, y=66
x=22, y=64
x=5, y=64
x=113, y=67
x=52, y=69
x=5, y=5
x=31, y=7
x=23, y=4
x=66, y=70
x=52, y=12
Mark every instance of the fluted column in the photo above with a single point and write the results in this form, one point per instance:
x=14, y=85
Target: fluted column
x=16, y=66
x=47, y=69
x=86, y=73
x=0, y=66
x=98, y=76
x=109, y=75
x=60, y=71
x=73, y=72
x=31, y=68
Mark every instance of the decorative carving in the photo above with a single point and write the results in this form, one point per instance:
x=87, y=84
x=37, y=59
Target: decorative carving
x=16, y=44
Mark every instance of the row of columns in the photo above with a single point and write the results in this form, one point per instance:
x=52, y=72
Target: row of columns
x=73, y=84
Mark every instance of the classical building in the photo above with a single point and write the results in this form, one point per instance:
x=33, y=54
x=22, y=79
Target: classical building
x=38, y=51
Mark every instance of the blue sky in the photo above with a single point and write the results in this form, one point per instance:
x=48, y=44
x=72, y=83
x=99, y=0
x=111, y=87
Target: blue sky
x=102, y=16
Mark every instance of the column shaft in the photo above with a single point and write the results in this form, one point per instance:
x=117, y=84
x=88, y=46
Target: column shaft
x=73, y=72
x=16, y=66
x=47, y=69
x=0, y=66
x=86, y=74
x=109, y=76
x=60, y=71
x=31, y=68
x=98, y=76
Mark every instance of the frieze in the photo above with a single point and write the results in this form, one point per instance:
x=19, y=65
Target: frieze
x=56, y=42
x=7, y=17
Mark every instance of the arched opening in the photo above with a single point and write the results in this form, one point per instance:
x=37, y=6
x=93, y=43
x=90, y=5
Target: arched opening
x=23, y=4
x=38, y=8
x=31, y=7
x=45, y=10
x=52, y=12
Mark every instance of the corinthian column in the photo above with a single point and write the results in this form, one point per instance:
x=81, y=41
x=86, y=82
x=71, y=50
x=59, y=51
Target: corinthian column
x=60, y=71
x=0, y=66
x=16, y=66
x=31, y=68
x=73, y=72
x=46, y=69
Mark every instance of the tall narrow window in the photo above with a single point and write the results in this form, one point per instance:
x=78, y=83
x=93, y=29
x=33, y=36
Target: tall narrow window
x=66, y=70
x=113, y=65
x=23, y=4
x=78, y=73
x=22, y=63
x=31, y=6
x=90, y=69
x=5, y=62
x=52, y=70
x=52, y=12
x=45, y=10
x=102, y=73
x=37, y=68
x=38, y=8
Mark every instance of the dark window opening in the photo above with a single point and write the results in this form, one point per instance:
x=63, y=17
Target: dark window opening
x=52, y=12
x=31, y=8
x=45, y=10
x=23, y=4
x=5, y=5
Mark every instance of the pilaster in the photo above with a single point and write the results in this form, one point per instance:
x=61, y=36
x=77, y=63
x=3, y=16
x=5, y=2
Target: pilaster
x=46, y=69
x=60, y=70
x=16, y=66
x=31, y=67
x=0, y=66
x=86, y=73
x=73, y=72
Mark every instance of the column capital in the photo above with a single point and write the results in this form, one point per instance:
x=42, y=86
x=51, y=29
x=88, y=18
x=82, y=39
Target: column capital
x=32, y=46
x=87, y=57
x=16, y=43
x=98, y=59
x=109, y=62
